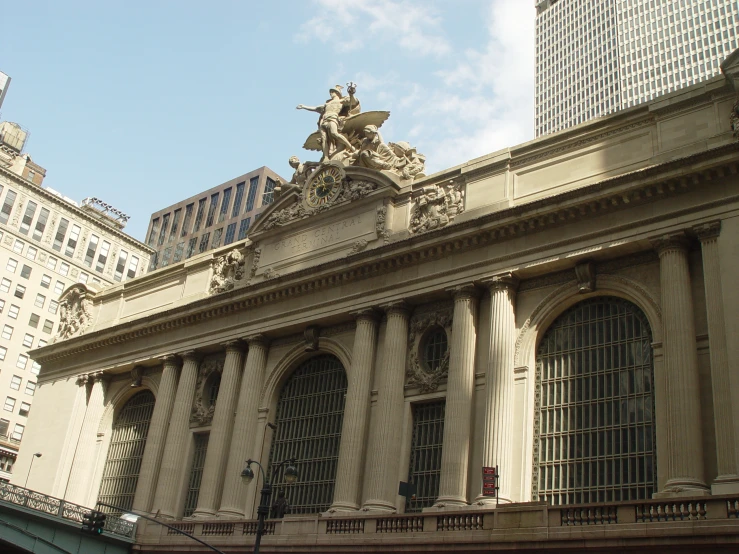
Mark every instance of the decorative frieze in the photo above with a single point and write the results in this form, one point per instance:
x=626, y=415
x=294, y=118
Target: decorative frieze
x=436, y=206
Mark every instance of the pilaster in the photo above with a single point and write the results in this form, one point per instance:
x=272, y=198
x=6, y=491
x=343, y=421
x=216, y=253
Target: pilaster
x=79, y=480
x=459, y=400
x=497, y=439
x=243, y=437
x=727, y=481
x=155, y=440
x=172, y=473
x=685, y=471
x=385, y=452
x=356, y=415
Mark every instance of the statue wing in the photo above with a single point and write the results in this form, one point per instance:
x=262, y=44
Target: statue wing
x=354, y=124
x=313, y=142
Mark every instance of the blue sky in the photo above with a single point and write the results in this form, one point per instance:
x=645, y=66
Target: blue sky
x=145, y=103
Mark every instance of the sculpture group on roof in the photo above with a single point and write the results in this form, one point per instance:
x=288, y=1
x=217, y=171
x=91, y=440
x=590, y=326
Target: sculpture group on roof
x=346, y=134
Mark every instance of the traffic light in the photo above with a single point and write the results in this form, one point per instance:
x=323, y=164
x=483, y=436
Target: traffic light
x=98, y=522
x=93, y=522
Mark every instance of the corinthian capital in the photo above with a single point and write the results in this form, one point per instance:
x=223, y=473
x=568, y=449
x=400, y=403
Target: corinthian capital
x=670, y=242
x=502, y=282
x=710, y=230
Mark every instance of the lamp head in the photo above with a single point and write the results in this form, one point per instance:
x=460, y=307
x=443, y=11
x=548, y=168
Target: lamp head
x=38, y=454
x=247, y=475
x=291, y=473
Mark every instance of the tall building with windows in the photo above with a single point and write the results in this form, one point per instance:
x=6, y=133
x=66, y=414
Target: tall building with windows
x=594, y=57
x=47, y=243
x=213, y=218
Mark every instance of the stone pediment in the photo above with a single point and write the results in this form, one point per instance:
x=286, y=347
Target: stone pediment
x=338, y=210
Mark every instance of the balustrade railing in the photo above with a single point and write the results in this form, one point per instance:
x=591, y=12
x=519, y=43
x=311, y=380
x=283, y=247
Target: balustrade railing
x=222, y=529
x=61, y=509
x=250, y=528
x=344, y=526
x=671, y=511
x=459, y=522
x=589, y=515
x=732, y=507
x=400, y=524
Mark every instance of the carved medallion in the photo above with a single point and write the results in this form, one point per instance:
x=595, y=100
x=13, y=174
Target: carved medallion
x=324, y=186
x=429, y=338
x=206, y=390
x=75, y=312
x=228, y=270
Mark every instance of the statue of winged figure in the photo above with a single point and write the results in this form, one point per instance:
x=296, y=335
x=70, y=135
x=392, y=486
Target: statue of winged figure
x=341, y=124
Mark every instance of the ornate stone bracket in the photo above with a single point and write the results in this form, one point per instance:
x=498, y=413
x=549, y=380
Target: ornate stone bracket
x=228, y=270
x=202, y=409
x=585, y=273
x=734, y=120
x=417, y=372
x=75, y=312
x=311, y=336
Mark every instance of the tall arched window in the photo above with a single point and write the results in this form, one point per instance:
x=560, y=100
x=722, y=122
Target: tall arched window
x=121, y=472
x=309, y=416
x=594, y=428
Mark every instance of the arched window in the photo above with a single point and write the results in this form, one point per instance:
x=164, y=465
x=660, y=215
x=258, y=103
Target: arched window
x=594, y=429
x=121, y=472
x=309, y=416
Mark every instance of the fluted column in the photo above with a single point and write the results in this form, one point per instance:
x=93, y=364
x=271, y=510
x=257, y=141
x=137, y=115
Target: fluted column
x=66, y=458
x=497, y=438
x=684, y=457
x=356, y=415
x=459, y=395
x=82, y=467
x=172, y=473
x=727, y=480
x=155, y=440
x=383, y=470
x=243, y=438
x=223, y=420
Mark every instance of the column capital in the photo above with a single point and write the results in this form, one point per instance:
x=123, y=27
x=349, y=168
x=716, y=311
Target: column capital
x=399, y=307
x=170, y=360
x=670, y=242
x=464, y=292
x=82, y=380
x=365, y=314
x=503, y=281
x=235, y=345
x=98, y=376
x=710, y=230
x=189, y=355
x=257, y=340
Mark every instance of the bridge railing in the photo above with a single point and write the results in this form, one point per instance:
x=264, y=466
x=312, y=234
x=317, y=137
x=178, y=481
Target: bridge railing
x=62, y=509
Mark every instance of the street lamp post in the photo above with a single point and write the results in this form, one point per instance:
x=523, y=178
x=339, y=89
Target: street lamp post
x=36, y=455
x=291, y=475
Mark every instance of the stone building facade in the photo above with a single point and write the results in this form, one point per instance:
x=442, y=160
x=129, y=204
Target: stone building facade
x=563, y=309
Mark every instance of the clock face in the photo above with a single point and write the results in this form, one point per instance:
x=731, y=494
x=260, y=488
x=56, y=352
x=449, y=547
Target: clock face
x=324, y=187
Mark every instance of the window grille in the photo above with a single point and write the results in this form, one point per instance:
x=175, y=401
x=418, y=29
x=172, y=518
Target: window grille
x=309, y=416
x=196, y=472
x=122, y=465
x=435, y=348
x=594, y=429
x=425, y=464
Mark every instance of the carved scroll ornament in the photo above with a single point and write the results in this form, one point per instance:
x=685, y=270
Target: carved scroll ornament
x=228, y=270
x=418, y=372
x=75, y=312
x=436, y=207
x=202, y=409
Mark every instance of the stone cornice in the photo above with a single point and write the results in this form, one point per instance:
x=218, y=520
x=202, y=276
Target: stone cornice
x=645, y=185
x=63, y=204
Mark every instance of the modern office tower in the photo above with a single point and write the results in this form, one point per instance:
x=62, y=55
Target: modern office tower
x=594, y=57
x=213, y=218
x=47, y=242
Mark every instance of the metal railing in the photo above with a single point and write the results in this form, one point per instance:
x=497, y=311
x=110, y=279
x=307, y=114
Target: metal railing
x=61, y=509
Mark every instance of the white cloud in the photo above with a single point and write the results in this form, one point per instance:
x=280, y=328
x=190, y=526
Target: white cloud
x=348, y=24
x=475, y=101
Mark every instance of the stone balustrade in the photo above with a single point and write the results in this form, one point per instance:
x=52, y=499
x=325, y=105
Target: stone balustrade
x=631, y=523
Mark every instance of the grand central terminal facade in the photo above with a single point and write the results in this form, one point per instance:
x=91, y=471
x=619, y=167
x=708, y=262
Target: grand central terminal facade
x=564, y=310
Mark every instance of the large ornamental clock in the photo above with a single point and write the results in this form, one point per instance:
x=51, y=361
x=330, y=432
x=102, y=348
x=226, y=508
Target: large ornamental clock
x=324, y=186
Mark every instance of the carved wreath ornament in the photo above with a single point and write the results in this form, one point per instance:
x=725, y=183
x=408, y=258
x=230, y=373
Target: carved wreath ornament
x=419, y=372
x=75, y=313
x=203, y=409
x=227, y=271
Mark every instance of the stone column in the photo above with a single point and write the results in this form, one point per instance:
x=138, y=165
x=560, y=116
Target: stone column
x=384, y=456
x=459, y=398
x=356, y=415
x=243, y=438
x=66, y=458
x=727, y=481
x=497, y=438
x=684, y=459
x=84, y=460
x=172, y=472
x=152, y=458
x=218, y=444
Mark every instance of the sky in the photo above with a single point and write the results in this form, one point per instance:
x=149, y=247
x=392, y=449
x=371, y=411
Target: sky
x=143, y=104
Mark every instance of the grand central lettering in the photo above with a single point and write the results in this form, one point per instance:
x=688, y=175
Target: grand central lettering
x=322, y=236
